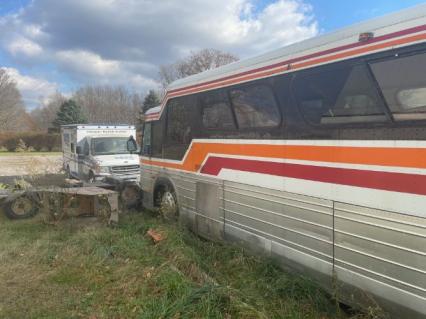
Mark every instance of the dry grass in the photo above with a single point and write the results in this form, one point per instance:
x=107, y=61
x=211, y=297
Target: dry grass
x=6, y=153
x=86, y=270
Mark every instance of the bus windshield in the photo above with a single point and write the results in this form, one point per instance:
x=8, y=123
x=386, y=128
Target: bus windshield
x=109, y=145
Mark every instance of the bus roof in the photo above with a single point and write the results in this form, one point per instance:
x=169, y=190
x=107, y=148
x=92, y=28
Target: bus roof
x=403, y=28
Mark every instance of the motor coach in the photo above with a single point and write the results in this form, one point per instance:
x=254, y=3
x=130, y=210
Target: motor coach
x=313, y=154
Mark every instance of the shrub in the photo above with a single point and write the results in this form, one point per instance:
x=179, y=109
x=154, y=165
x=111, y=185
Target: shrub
x=33, y=141
x=21, y=146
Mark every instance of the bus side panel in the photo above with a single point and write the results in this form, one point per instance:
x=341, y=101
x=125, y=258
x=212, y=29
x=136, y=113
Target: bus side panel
x=383, y=253
x=296, y=230
x=147, y=180
x=200, y=203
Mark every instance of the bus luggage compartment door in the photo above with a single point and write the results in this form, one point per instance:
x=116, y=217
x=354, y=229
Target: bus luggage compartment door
x=209, y=216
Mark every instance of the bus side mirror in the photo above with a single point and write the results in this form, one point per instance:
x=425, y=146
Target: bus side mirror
x=78, y=150
x=132, y=146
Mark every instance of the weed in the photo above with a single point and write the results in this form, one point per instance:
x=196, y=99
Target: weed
x=72, y=270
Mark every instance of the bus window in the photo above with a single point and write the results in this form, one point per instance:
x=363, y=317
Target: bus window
x=157, y=139
x=179, y=131
x=178, y=121
x=339, y=95
x=255, y=106
x=146, y=140
x=403, y=83
x=216, y=111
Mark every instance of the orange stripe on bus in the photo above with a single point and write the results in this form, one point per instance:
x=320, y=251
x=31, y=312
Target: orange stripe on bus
x=399, y=157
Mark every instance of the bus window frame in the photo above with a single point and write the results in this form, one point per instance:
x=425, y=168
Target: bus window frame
x=266, y=83
x=341, y=64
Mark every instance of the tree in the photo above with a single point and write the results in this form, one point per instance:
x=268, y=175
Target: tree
x=196, y=62
x=11, y=105
x=109, y=104
x=69, y=113
x=150, y=100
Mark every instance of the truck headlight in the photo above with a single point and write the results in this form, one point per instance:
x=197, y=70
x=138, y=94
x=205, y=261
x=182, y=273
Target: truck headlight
x=104, y=169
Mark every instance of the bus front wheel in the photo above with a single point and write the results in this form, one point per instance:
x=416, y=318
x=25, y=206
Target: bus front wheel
x=168, y=204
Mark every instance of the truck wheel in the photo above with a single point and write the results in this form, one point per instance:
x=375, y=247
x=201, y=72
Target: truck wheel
x=21, y=207
x=91, y=178
x=168, y=204
x=69, y=173
x=131, y=196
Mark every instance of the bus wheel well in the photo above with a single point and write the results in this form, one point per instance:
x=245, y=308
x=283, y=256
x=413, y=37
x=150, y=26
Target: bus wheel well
x=161, y=186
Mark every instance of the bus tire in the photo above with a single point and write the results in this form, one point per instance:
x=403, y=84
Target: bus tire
x=21, y=207
x=168, y=204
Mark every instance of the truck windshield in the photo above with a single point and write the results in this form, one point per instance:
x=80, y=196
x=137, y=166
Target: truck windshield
x=109, y=145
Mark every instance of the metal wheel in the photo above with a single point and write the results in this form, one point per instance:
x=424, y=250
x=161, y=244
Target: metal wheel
x=168, y=205
x=68, y=172
x=91, y=178
x=131, y=196
x=21, y=207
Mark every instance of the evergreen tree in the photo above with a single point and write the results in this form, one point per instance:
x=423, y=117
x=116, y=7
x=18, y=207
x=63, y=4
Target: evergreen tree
x=151, y=100
x=69, y=113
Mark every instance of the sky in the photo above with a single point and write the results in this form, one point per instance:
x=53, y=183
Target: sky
x=61, y=45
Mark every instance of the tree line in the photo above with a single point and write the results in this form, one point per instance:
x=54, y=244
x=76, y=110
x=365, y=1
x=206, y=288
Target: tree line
x=98, y=104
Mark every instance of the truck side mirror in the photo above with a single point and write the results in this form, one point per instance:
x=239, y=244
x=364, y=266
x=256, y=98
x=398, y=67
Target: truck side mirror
x=78, y=150
x=132, y=146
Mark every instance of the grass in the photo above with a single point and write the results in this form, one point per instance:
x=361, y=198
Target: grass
x=5, y=153
x=75, y=270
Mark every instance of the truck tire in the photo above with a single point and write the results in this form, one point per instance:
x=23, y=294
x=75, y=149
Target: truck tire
x=68, y=172
x=91, y=178
x=130, y=195
x=21, y=207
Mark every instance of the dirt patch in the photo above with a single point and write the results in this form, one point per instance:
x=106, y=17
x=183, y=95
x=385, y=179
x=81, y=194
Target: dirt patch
x=30, y=165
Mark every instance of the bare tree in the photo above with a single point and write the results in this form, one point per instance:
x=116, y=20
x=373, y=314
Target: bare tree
x=196, y=62
x=108, y=104
x=11, y=105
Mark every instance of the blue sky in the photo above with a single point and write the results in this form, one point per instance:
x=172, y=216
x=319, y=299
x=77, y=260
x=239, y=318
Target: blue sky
x=50, y=45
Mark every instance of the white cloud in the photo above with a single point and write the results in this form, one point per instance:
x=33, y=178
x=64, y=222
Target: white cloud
x=87, y=63
x=124, y=41
x=24, y=46
x=88, y=66
x=33, y=90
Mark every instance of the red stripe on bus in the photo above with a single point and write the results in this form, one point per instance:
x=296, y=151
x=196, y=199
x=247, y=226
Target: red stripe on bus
x=396, y=182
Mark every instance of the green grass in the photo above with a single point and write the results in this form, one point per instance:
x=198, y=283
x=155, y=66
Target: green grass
x=74, y=271
x=5, y=153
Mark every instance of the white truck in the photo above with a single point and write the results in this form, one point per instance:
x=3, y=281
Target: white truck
x=96, y=152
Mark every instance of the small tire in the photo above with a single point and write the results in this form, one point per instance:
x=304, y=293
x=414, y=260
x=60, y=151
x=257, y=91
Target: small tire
x=131, y=196
x=21, y=207
x=169, y=208
x=68, y=173
x=91, y=178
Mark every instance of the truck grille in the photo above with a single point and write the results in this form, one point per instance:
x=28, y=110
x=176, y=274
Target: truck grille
x=125, y=170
